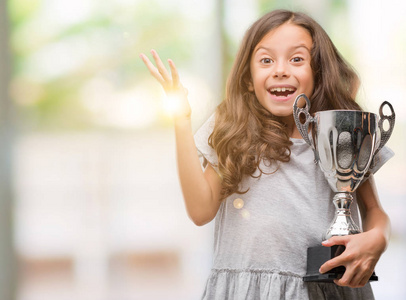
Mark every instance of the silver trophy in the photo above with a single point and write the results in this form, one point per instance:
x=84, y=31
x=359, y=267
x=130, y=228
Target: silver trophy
x=344, y=143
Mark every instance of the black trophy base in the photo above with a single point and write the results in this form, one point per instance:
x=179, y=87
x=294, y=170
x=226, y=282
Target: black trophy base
x=318, y=255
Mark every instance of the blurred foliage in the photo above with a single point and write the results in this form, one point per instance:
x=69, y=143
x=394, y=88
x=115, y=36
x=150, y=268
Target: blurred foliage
x=22, y=10
x=53, y=63
x=56, y=61
x=269, y=5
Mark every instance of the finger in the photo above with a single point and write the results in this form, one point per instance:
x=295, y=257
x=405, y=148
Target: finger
x=335, y=240
x=331, y=264
x=152, y=69
x=174, y=72
x=365, y=280
x=347, y=279
x=362, y=277
x=161, y=68
x=356, y=280
x=354, y=277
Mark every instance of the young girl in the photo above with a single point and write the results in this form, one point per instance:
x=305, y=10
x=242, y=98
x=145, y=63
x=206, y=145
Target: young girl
x=270, y=201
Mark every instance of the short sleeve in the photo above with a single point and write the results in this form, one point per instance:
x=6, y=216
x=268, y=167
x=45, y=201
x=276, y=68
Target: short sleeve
x=380, y=159
x=206, y=153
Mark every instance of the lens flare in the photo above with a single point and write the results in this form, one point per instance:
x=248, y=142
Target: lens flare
x=171, y=104
x=238, y=203
x=245, y=214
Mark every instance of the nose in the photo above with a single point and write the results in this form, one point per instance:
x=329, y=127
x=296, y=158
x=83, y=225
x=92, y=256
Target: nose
x=281, y=70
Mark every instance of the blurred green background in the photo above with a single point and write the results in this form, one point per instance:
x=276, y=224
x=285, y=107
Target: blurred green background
x=90, y=203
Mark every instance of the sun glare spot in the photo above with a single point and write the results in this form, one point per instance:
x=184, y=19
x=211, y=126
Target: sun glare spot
x=171, y=104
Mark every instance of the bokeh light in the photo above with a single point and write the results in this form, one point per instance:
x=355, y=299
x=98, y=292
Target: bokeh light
x=238, y=203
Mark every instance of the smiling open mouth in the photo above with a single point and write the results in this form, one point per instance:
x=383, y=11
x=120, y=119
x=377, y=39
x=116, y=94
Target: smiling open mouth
x=282, y=91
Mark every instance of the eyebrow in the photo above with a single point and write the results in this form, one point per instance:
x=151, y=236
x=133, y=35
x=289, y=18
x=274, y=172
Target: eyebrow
x=292, y=48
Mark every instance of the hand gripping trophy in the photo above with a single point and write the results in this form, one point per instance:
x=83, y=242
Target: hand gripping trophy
x=344, y=143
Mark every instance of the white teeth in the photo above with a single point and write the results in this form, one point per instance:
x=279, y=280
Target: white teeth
x=283, y=89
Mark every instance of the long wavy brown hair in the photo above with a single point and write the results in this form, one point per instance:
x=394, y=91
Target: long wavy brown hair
x=245, y=133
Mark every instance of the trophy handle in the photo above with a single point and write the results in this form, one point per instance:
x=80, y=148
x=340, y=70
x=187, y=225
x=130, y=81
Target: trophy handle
x=303, y=127
x=385, y=134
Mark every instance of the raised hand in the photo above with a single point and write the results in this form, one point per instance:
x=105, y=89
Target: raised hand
x=171, y=84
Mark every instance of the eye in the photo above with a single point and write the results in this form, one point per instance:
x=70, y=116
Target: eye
x=266, y=60
x=296, y=59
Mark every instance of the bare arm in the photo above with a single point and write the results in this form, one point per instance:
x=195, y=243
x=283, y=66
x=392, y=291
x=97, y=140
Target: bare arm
x=201, y=190
x=362, y=250
x=373, y=216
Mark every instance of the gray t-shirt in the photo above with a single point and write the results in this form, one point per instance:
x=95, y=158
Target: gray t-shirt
x=261, y=237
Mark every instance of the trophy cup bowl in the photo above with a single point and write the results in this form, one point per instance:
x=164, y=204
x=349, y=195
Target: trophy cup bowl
x=344, y=143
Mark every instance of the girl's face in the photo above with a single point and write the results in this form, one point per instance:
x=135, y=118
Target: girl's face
x=280, y=69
